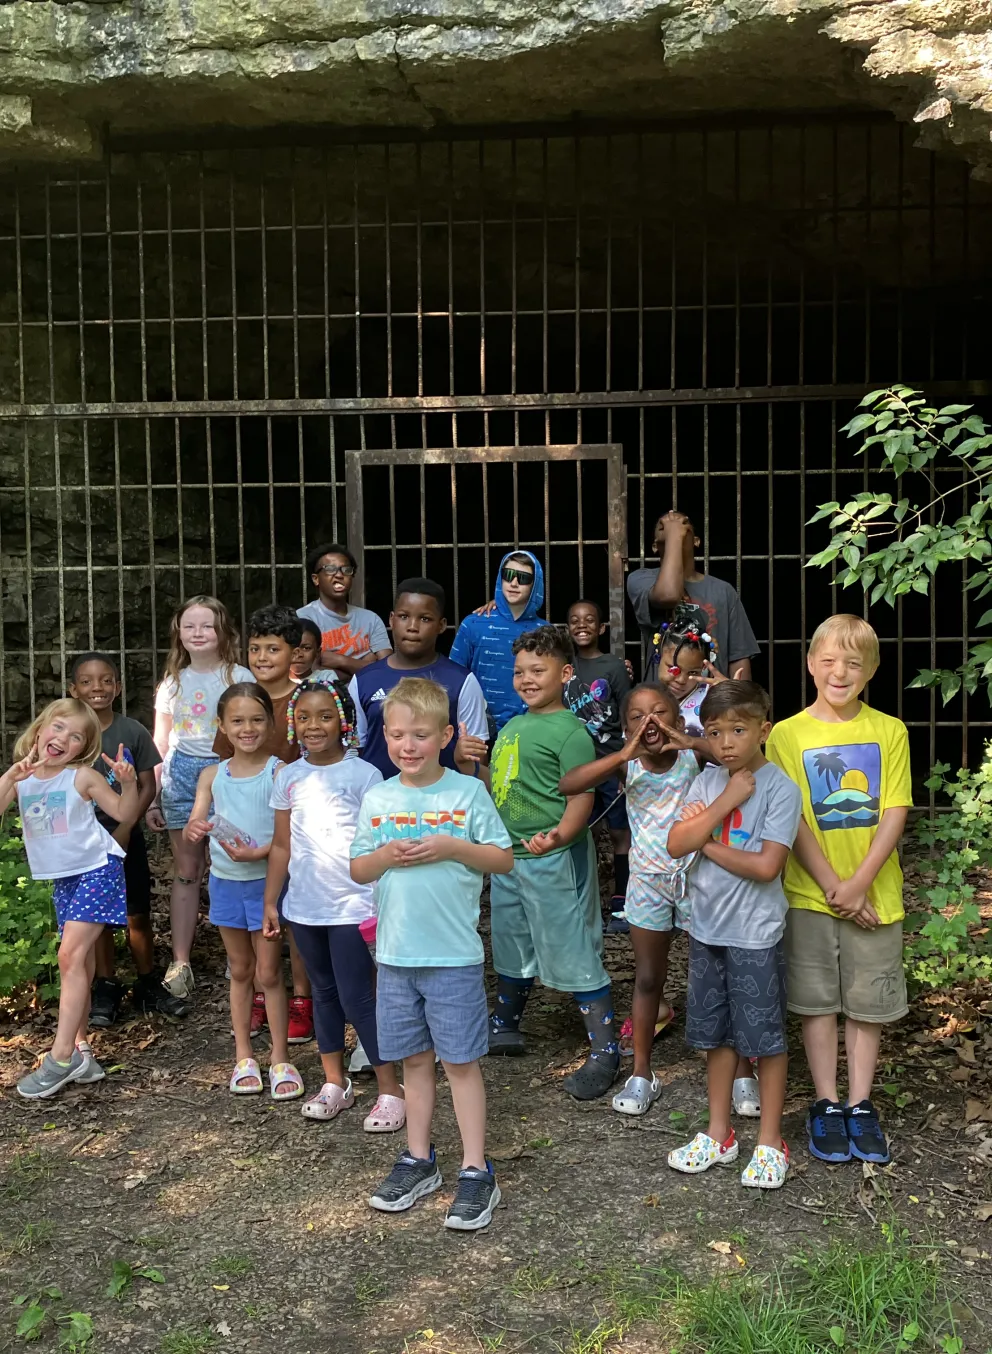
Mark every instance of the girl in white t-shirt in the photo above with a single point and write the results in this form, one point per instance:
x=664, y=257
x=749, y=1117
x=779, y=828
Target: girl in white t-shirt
x=58, y=792
x=316, y=802
x=201, y=664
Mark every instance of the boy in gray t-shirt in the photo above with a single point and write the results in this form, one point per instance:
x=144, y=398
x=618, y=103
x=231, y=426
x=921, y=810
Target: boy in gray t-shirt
x=742, y=817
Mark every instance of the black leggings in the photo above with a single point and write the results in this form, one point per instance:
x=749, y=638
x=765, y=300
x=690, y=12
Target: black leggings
x=342, y=976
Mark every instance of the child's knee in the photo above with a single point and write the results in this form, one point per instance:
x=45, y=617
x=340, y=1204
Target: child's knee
x=649, y=980
x=242, y=968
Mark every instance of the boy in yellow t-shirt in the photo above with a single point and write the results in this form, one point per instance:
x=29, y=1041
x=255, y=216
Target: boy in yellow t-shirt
x=843, y=939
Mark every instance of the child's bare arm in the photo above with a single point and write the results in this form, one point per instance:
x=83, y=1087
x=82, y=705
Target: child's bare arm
x=587, y=777
x=198, y=824
x=814, y=862
x=368, y=868
x=849, y=897
x=275, y=875
x=691, y=833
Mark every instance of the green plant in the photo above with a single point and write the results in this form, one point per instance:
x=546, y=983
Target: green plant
x=75, y=1328
x=232, y=1266
x=188, y=1342
x=124, y=1275
x=28, y=931
x=942, y=949
x=893, y=547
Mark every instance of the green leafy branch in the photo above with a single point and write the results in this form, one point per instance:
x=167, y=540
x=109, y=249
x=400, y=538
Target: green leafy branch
x=893, y=546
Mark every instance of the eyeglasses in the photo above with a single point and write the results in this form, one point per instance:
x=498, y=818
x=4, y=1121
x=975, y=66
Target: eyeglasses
x=516, y=576
x=346, y=569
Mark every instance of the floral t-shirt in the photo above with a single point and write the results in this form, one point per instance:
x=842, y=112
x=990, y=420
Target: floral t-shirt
x=192, y=703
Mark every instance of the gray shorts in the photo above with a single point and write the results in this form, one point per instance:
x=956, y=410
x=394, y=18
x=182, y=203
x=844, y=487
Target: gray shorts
x=736, y=999
x=444, y=1009
x=836, y=967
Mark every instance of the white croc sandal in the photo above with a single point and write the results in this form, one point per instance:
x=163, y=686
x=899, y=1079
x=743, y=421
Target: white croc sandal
x=702, y=1153
x=767, y=1169
x=637, y=1096
x=329, y=1101
x=747, y=1097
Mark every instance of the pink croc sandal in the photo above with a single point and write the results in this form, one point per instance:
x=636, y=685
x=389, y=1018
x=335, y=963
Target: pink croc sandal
x=387, y=1115
x=329, y=1101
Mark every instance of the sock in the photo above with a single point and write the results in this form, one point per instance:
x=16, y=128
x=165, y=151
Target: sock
x=621, y=874
x=596, y=1009
x=511, y=998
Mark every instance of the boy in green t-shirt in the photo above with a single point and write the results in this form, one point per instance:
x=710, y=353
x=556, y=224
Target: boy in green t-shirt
x=545, y=914
x=843, y=940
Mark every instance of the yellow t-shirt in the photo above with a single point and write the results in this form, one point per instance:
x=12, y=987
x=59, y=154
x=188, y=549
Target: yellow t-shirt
x=849, y=774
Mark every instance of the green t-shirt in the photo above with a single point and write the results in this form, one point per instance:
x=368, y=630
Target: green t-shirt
x=531, y=755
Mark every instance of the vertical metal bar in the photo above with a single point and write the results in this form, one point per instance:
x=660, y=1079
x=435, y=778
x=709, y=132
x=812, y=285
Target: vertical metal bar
x=205, y=358
x=544, y=303
x=454, y=536
x=358, y=296
x=238, y=471
x=485, y=530
x=418, y=153
x=355, y=507
x=616, y=534
x=451, y=287
x=967, y=289
x=172, y=369
x=87, y=501
x=482, y=284
x=548, y=581
x=56, y=430
x=868, y=231
x=388, y=231
x=232, y=228
x=513, y=286
x=149, y=479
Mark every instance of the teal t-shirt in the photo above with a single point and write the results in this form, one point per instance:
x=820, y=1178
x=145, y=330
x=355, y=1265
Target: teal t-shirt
x=530, y=756
x=428, y=914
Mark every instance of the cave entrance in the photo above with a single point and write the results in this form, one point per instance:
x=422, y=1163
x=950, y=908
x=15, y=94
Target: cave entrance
x=192, y=341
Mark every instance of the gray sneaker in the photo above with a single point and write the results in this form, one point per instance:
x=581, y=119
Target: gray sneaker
x=179, y=980
x=92, y=1070
x=51, y=1076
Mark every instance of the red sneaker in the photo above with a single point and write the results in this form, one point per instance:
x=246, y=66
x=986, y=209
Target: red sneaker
x=300, y=1020
x=258, y=1019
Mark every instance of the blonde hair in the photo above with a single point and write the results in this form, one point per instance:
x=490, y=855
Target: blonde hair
x=425, y=698
x=227, y=639
x=67, y=708
x=849, y=632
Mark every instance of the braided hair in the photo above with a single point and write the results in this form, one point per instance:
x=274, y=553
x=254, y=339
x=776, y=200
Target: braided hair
x=345, y=705
x=683, y=637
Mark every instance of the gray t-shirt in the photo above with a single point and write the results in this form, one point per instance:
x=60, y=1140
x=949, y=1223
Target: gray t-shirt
x=728, y=910
x=355, y=634
x=725, y=618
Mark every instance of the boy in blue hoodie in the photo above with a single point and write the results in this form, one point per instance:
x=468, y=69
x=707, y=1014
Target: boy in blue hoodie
x=484, y=643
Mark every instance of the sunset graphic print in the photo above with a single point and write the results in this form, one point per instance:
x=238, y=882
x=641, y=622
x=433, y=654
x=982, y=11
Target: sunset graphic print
x=845, y=784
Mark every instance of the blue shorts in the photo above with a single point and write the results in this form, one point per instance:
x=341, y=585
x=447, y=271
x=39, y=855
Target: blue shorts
x=444, y=1009
x=546, y=920
x=180, y=774
x=97, y=896
x=605, y=802
x=736, y=999
x=238, y=903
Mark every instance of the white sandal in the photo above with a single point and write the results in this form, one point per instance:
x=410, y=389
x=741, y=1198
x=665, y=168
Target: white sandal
x=747, y=1097
x=246, y=1067
x=637, y=1096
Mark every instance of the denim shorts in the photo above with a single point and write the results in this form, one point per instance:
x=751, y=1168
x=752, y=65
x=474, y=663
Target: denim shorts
x=96, y=896
x=610, y=802
x=179, y=776
x=444, y=1009
x=736, y=999
x=657, y=902
x=238, y=903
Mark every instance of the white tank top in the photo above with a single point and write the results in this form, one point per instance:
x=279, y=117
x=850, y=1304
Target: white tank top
x=61, y=834
x=242, y=803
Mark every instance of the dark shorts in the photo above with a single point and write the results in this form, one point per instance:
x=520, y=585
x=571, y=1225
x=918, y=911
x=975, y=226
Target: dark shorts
x=736, y=999
x=137, y=876
x=606, y=802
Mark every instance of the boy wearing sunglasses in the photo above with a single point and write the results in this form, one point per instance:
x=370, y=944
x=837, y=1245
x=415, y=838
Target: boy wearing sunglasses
x=350, y=636
x=484, y=643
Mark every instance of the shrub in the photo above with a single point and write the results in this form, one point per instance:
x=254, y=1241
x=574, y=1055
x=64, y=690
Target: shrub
x=28, y=932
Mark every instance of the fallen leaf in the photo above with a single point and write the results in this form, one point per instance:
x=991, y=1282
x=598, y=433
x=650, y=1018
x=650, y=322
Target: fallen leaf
x=961, y=1073
x=974, y=1109
x=952, y=1189
x=970, y=1253
x=721, y=1247
x=983, y=1212
x=222, y=1287
x=966, y=1052
x=222, y=1328
x=133, y=1181
x=651, y=1200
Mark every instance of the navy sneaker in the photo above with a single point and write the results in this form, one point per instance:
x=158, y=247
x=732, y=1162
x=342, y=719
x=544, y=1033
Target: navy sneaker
x=409, y=1180
x=868, y=1142
x=826, y=1126
x=618, y=925
x=476, y=1198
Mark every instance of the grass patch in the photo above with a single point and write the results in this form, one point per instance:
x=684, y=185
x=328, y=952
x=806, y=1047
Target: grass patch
x=531, y=1279
x=188, y=1342
x=367, y=1289
x=26, y=1171
x=232, y=1266
x=31, y=1237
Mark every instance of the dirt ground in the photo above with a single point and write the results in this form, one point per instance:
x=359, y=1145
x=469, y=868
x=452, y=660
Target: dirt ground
x=257, y=1221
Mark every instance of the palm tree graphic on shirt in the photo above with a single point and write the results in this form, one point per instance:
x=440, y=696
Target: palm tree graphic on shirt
x=831, y=766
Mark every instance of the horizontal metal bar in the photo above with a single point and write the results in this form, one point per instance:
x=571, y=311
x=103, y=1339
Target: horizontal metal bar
x=445, y=404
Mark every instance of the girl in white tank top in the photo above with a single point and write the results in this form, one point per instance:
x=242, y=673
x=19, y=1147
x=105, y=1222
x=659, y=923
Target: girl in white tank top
x=58, y=793
x=232, y=809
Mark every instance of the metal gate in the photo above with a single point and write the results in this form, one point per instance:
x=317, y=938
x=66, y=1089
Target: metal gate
x=192, y=340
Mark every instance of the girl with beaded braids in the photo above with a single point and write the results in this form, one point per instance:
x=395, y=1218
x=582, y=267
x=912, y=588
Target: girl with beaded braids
x=316, y=801
x=685, y=659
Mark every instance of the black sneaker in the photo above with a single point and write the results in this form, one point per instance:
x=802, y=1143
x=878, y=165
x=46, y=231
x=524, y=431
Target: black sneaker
x=476, y=1199
x=506, y=1042
x=867, y=1140
x=409, y=1180
x=105, y=1002
x=827, y=1130
x=148, y=995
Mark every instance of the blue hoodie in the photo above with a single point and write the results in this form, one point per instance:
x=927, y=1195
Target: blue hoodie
x=484, y=644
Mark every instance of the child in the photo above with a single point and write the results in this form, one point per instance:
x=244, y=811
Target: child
x=742, y=817
x=427, y=837
x=713, y=605
x=274, y=636
x=416, y=621
x=685, y=660
x=232, y=808
x=57, y=793
x=306, y=659
x=545, y=915
x=96, y=682
x=595, y=694
x=484, y=642
x=351, y=636
x=843, y=940
x=316, y=803
x=656, y=766
x=201, y=663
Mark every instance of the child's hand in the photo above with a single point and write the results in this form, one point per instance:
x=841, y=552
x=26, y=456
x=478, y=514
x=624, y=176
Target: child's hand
x=194, y=831
x=632, y=747
x=123, y=769
x=428, y=850
x=714, y=675
x=24, y=768
x=630, y=668
x=240, y=851
x=271, y=930
x=542, y=842
x=486, y=610
x=740, y=788
x=851, y=902
x=678, y=739
x=692, y=810
x=154, y=820
x=469, y=749
x=396, y=853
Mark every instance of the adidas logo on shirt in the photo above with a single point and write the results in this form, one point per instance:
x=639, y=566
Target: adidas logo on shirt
x=379, y=695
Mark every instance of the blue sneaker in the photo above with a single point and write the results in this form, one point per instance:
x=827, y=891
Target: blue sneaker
x=868, y=1142
x=826, y=1126
x=475, y=1200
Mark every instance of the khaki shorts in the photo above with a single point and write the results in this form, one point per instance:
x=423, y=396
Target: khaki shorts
x=836, y=967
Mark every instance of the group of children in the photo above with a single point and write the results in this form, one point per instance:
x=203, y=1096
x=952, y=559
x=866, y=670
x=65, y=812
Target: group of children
x=354, y=793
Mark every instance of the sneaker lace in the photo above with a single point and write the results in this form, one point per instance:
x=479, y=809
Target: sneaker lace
x=473, y=1191
x=403, y=1174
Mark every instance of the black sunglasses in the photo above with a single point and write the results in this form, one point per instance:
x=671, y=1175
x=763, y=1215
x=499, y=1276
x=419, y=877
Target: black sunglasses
x=515, y=575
